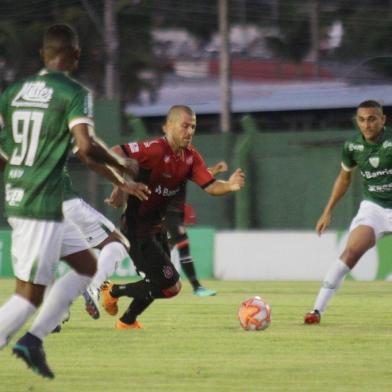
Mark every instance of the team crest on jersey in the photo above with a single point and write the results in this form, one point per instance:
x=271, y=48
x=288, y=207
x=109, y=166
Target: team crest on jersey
x=168, y=271
x=189, y=160
x=33, y=94
x=134, y=147
x=166, y=159
x=374, y=161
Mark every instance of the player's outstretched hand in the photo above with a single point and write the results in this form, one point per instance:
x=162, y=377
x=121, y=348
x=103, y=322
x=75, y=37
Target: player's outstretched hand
x=117, y=198
x=237, y=180
x=220, y=167
x=137, y=189
x=323, y=222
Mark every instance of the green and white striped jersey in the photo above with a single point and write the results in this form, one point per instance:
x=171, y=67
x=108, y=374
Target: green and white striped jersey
x=37, y=115
x=375, y=164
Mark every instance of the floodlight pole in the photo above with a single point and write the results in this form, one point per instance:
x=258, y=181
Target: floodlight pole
x=109, y=36
x=111, y=49
x=314, y=8
x=224, y=67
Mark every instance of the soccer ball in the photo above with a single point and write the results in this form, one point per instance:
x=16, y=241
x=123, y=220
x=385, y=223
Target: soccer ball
x=254, y=314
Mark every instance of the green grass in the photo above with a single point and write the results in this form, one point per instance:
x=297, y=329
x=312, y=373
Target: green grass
x=196, y=344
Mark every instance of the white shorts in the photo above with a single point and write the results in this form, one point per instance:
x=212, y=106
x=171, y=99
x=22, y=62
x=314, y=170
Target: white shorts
x=35, y=249
x=94, y=226
x=73, y=239
x=38, y=245
x=375, y=216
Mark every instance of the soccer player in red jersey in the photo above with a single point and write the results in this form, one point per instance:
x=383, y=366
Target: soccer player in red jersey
x=165, y=164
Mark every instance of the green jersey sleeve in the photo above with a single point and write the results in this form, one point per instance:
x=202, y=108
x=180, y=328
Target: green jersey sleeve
x=2, y=110
x=81, y=109
x=348, y=162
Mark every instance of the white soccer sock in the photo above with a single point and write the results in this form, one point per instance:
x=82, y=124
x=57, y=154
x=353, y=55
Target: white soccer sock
x=13, y=314
x=60, y=297
x=110, y=257
x=331, y=283
x=66, y=315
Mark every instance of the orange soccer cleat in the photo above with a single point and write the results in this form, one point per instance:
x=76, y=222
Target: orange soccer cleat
x=312, y=317
x=134, y=325
x=109, y=303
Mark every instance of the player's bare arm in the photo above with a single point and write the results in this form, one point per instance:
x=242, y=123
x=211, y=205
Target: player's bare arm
x=95, y=150
x=3, y=155
x=234, y=184
x=117, y=198
x=341, y=185
x=3, y=159
x=126, y=185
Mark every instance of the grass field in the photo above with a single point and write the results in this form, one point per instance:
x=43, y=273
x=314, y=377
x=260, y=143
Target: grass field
x=196, y=344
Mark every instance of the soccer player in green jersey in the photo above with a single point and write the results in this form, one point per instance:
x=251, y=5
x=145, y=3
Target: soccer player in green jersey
x=371, y=152
x=41, y=115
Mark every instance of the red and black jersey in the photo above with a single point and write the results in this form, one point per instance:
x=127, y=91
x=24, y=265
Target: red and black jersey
x=165, y=173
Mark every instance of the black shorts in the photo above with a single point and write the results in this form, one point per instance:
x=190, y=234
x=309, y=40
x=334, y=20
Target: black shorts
x=173, y=220
x=151, y=255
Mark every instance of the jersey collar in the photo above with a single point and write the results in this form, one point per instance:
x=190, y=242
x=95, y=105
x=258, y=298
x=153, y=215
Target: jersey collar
x=45, y=71
x=381, y=139
x=180, y=153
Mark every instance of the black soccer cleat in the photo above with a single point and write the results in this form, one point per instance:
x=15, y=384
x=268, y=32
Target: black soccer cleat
x=34, y=357
x=56, y=329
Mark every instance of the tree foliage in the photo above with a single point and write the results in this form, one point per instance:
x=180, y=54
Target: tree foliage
x=22, y=24
x=367, y=40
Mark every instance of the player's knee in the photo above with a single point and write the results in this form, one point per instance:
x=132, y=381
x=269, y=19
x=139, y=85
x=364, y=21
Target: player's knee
x=350, y=256
x=91, y=269
x=119, y=250
x=172, y=291
x=31, y=292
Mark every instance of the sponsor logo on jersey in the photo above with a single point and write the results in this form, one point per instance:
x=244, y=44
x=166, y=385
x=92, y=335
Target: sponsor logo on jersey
x=368, y=174
x=13, y=196
x=374, y=161
x=88, y=105
x=355, y=147
x=380, y=188
x=166, y=192
x=166, y=175
x=387, y=144
x=16, y=173
x=33, y=94
x=134, y=147
x=150, y=143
